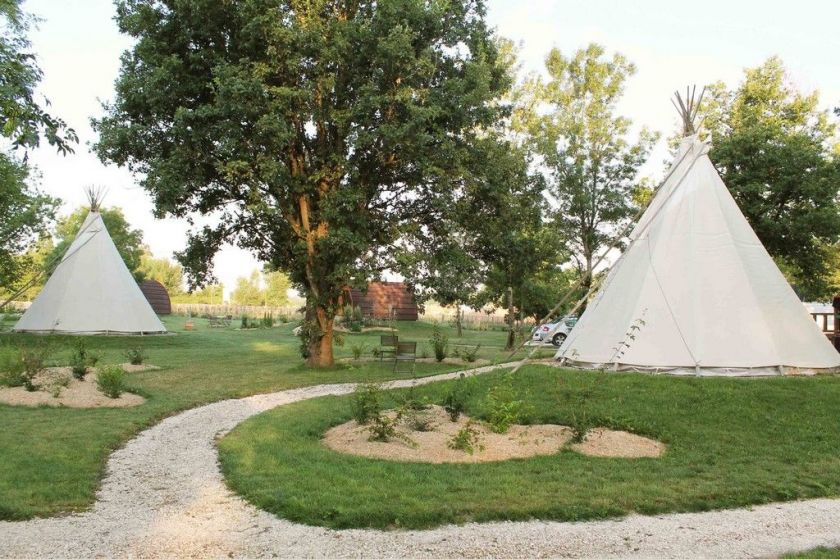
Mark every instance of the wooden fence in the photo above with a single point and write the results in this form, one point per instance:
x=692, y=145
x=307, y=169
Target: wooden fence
x=236, y=311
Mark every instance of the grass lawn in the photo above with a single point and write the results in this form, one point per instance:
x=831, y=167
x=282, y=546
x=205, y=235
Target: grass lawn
x=53, y=458
x=818, y=553
x=732, y=442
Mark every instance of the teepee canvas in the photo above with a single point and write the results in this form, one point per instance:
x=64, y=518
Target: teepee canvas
x=696, y=292
x=91, y=291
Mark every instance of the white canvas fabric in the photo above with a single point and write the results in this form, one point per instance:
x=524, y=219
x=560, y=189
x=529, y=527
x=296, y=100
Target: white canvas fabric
x=91, y=291
x=696, y=292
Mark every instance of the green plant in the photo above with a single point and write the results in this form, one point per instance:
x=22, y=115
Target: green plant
x=352, y=318
x=383, y=428
x=470, y=355
x=268, y=320
x=57, y=384
x=111, y=381
x=440, y=343
x=32, y=360
x=424, y=351
x=365, y=404
x=455, y=401
x=79, y=360
x=358, y=350
x=11, y=370
x=135, y=355
x=466, y=439
x=243, y=322
x=504, y=408
x=418, y=419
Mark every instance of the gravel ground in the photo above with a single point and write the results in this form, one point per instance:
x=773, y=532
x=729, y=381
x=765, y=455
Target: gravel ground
x=163, y=496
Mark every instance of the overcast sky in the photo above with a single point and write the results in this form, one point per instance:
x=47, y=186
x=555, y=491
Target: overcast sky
x=673, y=44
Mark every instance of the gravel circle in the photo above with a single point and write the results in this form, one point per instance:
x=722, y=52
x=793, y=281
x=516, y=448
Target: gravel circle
x=164, y=496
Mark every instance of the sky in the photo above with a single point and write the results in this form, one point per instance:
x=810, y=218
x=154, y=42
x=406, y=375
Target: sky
x=673, y=44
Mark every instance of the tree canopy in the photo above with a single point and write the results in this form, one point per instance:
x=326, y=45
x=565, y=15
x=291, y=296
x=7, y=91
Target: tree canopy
x=25, y=212
x=317, y=134
x=168, y=273
x=591, y=166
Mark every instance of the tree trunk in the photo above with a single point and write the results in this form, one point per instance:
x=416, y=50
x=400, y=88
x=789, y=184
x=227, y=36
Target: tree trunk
x=321, y=337
x=458, y=317
x=511, y=338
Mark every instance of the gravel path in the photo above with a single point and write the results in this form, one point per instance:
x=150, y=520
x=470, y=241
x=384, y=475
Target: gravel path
x=163, y=496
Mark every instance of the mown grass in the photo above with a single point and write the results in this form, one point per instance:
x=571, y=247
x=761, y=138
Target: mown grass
x=731, y=442
x=53, y=458
x=818, y=553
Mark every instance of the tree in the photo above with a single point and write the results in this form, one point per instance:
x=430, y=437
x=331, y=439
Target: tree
x=25, y=213
x=316, y=131
x=776, y=152
x=277, y=286
x=591, y=167
x=212, y=294
x=168, y=273
x=248, y=291
x=129, y=242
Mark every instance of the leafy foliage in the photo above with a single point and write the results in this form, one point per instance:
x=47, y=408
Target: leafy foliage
x=136, y=355
x=440, y=343
x=111, y=381
x=366, y=403
x=591, y=165
x=168, y=273
x=504, y=408
x=467, y=439
x=319, y=134
x=455, y=400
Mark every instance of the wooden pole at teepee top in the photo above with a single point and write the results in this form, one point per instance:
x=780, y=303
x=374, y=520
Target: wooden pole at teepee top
x=688, y=108
x=95, y=195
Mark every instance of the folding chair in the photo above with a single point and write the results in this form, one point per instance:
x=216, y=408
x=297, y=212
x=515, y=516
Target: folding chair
x=405, y=357
x=387, y=346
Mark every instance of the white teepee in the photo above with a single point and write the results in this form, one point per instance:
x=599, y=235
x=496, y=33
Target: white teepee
x=91, y=291
x=696, y=292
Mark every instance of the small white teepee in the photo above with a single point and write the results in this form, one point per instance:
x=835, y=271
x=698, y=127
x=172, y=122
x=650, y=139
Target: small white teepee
x=91, y=290
x=696, y=292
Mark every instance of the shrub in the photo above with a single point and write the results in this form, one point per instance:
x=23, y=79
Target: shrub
x=455, y=401
x=424, y=352
x=470, y=355
x=352, y=318
x=383, y=428
x=32, y=360
x=135, y=355
x=504, y=409
x=79, y=360
x=268, y=320
x=358, y=350
x=365, y=404
x=111, y=381
x=440, y=343
x=418, y=420
x=466, y=439
x=11, y=370
x=58, y=384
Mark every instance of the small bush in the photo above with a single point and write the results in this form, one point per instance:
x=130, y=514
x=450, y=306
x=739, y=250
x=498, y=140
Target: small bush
x=58, y=384
x=440, y=343
x=383, y=428
x=504, y=408
x=358, y=350
x=79, y=360
x=365, y=404
x=135, y=355
x=418, y=420
x=455, y=401
x=32, y=360
x=268, y=320
x=11, y=370
x=424, y=352
x=111, y=381
x=352, y=318
x=466, y=439
x=470, y=355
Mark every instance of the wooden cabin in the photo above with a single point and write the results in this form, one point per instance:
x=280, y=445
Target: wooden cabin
x=383, y=298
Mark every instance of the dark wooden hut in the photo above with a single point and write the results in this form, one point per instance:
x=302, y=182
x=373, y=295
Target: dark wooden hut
x=157, y=296
x=383, y=298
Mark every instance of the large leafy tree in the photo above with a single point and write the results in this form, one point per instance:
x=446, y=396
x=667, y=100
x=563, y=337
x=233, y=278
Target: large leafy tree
x=312, y=130
x=590, y=164
x=25, y=212
x=776, y=151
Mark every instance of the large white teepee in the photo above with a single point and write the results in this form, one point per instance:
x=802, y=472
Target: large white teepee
x=91, y=291
x=696, y=292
